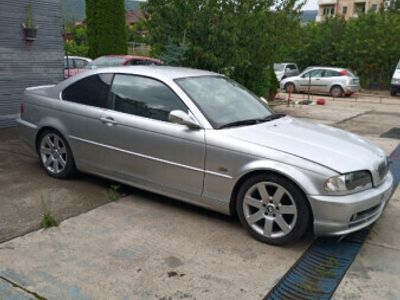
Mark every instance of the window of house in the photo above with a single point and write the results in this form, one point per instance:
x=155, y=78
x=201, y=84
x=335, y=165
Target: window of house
x=374, y=7
x=359, y=8
x=344, y=10
x=92, y=90
x=328, y=10
x=145, y=97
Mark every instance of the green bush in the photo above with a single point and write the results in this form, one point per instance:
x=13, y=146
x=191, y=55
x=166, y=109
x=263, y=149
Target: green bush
x=72, y=48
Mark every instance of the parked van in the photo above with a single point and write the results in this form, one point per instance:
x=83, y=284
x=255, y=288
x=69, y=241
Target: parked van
x=395, y=84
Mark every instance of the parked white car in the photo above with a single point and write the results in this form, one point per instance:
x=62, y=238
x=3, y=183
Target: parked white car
x=337, y=82
x=284, y=70
x=395, y=83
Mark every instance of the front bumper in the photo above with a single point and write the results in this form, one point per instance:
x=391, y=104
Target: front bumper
x=338, y=215
x=395, y=88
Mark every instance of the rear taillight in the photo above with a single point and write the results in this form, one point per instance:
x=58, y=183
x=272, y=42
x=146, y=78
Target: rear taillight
x=21, y=108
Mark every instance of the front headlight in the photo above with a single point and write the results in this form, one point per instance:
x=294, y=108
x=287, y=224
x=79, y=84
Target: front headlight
x=349, y=182
x=395, y=81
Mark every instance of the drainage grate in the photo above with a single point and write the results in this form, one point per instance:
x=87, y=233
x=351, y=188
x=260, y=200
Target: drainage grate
x=393, y=133
x=394, y=160
x=318, y=272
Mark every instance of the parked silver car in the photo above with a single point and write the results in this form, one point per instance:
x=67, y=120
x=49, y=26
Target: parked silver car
x=204, y=139
x=284, y=70
x=337, y=82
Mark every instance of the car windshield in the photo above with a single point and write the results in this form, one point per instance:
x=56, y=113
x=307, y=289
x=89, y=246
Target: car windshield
x=278, y=67
x=106, y=61
x=224, y=101
x=398, y=66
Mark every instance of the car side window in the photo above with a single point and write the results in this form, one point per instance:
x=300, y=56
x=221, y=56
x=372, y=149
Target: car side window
x=142, y=62
x=291, y=67
x=145, y=97
x=313, y=74
x=80, y=63
x=68, y=63
x=92, y=90
x=331, y=73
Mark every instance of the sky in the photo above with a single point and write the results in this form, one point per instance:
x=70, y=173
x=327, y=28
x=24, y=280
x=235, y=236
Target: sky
x=310, y=5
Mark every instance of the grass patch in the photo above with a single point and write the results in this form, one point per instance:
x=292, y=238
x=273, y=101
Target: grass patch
x=48, y=220
x=113, y=192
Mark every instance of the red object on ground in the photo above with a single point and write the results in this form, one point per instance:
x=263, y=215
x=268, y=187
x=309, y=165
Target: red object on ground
x=321, y=101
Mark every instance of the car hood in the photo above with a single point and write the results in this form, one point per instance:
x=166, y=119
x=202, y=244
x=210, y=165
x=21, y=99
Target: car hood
x=336, y=149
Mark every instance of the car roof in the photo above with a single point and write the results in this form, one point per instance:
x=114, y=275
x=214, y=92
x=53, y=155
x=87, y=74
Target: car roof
x=131, y=57
x=77, y=57
x=160, y=72
x=325, y=68
x=285, y=63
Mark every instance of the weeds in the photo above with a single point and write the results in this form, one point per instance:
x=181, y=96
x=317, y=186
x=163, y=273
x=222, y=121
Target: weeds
x=48, y=220
x=113, y=192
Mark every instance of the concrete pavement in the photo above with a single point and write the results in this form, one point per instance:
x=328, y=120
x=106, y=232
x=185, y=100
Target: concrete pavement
x=26, y=191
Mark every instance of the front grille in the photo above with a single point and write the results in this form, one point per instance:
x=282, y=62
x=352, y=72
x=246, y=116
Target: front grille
x=383, y=169
x=364, y=216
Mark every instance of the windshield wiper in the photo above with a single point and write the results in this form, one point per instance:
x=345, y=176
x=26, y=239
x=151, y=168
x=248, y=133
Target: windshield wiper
x=253, y=121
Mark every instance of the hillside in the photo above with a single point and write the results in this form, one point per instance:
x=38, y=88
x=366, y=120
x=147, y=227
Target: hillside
x=75, y=9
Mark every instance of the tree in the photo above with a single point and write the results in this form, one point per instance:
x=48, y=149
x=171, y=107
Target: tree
x=106, y=27
x=237, y=38
x=174, y=55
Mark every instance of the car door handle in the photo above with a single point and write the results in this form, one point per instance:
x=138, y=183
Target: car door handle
x=108, y=120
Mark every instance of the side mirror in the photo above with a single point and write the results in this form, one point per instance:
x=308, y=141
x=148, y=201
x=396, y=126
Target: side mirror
x=180, y=117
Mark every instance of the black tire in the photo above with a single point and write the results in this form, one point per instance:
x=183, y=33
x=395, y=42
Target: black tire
x=300, y=222
x=290, y=87
x=337, y=91
x=63, y=154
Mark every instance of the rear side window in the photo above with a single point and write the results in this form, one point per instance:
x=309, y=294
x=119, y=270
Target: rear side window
x=291, y=67
x=142, y=62
x=331, y=73
x=142, y=96
x=92, y=90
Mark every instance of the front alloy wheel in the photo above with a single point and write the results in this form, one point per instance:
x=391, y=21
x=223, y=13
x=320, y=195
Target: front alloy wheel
x=273, y=209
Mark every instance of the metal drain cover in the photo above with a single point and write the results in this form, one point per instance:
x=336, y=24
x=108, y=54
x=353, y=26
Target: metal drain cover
x=393, y=133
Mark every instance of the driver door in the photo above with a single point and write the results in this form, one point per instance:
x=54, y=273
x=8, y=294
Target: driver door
x=143, y=146
x=311, y=81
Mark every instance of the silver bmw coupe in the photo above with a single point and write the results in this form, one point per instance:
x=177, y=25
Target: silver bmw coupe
x=202, y=138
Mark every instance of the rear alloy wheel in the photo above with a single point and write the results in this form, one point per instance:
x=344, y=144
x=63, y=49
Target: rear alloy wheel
x=55, y=155
x=337, y=91
x=273, y=209
x=290, y=87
